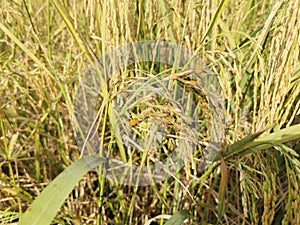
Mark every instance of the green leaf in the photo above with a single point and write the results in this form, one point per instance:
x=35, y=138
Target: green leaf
x=253, y=143
x=273, y=139
x=243, y=143
x=163, y=8
x=178, y=218
x=47, y=204
x=214, y=20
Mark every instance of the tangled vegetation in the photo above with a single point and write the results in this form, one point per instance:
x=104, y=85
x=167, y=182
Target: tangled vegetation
x=251, y=46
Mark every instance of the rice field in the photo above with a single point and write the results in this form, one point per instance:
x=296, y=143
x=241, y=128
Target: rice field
x=82, y=137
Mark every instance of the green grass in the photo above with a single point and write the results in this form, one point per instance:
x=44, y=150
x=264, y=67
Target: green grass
x=252, y=47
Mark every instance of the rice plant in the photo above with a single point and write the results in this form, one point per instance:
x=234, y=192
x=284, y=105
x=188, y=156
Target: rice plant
x=250, y=48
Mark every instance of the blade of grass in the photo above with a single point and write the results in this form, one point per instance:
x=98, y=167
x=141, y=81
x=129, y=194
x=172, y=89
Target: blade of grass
x=251, y=144
x=265, y=31
x=223, y=188
x=282, y=136
x=241, y=144
x=213, y=22
x=47, y=204
x=163, y=9
x=76, y=34
x=178, y=218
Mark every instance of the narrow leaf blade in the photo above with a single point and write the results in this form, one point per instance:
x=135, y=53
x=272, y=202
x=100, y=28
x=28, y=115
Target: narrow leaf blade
x=243, y=143
x=47, y=204
x=178, y=218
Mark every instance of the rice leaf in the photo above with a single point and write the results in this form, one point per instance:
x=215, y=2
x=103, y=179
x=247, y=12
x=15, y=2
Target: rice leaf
x=223, y=188
x=252, y=143
x=47, y=204
x=242, y=144
x=216, y=17
x=178, y=218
